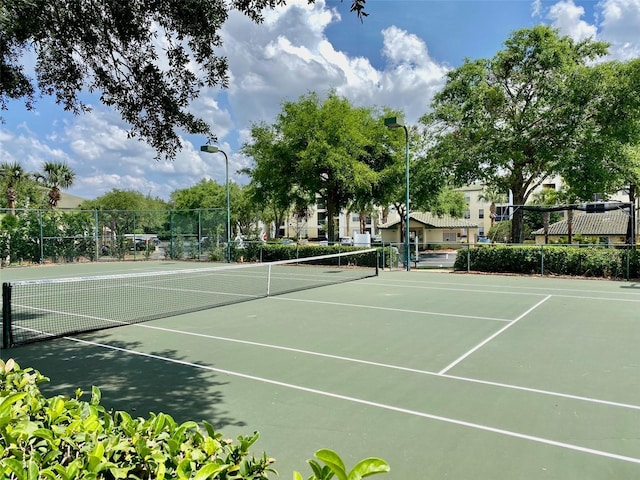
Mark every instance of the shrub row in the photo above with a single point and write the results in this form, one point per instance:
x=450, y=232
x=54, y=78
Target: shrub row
x=266, y=252
x=551, y=260
x=68, y=438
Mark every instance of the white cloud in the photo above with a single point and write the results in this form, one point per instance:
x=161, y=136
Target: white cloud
x=567, y=17
x=290, y=55
x=536, y=8
x=281, y=59
x=615, y=21
x=621, y=27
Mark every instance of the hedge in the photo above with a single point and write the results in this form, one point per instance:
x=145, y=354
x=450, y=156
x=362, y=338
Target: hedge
x=583, y=261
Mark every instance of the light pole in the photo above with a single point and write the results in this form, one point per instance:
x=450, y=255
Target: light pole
x=214, y=149
x=398, y=122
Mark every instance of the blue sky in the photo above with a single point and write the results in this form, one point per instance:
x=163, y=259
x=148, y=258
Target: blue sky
x=397, y=57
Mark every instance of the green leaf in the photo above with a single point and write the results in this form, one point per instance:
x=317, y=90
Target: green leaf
x=368, y=466
x=5, y=406
x=15, y=467
x=121, y=472
x=209, y=470
x=297, y=476
x=333, y=461
x=96, y=395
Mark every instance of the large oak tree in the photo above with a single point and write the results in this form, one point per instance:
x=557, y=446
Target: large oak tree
x=112, y=47
x=538, y=108
x=322, y=148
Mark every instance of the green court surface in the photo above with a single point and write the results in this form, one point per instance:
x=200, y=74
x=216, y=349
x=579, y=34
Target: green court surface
x=444, y=375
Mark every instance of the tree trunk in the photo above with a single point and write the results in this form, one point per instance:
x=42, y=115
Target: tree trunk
x=492, y=212
x=331, y=209
x=570, y=226
x=631, y=229
x=12, y=196
x=517, y=220
x=545, y=224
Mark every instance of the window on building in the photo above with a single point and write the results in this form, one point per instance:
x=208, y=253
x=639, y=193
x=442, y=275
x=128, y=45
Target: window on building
x=502, y=213
x=449, y=236
x=322, y=218
x=467, y=214
x=481, y=213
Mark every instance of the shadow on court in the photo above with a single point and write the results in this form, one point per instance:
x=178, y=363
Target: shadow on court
x=135, y=384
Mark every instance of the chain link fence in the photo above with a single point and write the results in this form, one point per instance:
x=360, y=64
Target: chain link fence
x=30, y=236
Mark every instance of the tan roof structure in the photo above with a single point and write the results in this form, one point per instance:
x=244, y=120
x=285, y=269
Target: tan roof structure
x=614, y=222
x=431, y=221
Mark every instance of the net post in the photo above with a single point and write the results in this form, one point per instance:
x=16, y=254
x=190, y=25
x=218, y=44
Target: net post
x=6, y=315
x=269, y=281
x=378, y=261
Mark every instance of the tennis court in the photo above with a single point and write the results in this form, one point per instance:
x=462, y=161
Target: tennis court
x=443, y=375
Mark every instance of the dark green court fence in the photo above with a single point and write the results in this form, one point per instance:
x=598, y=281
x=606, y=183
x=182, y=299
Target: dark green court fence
x=39, y=236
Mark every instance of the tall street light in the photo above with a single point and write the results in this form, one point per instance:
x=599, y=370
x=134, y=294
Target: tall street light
x=393, y=123
x=214, y=149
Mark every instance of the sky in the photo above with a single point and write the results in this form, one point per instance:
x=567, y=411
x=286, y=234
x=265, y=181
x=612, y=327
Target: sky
x=397, y=57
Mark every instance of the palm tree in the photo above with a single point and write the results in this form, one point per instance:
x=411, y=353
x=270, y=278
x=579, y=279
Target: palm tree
x=12, y=174
x=492, y=195
x=55, y=176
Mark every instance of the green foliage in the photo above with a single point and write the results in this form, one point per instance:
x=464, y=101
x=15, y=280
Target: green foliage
x=538, y=108
x=326, y=148
x=585, y=261
x=176, y=248
x=499, y=231
x=60, y=438
x=334, y=466
x=67, y=438
x=34, y=235
x=81, y=45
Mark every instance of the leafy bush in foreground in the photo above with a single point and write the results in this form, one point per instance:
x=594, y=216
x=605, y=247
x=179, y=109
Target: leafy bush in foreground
x=67, y=438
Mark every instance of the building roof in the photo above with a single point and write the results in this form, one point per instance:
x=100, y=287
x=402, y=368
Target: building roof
x=430, y=221
x=613, y=222
x=69, y=201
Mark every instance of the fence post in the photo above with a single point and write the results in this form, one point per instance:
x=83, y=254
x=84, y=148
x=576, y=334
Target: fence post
x=628, y=249
x=468, y=258
x=41, y=237
x=541, y=259
x=6, y=316
x=96, y=233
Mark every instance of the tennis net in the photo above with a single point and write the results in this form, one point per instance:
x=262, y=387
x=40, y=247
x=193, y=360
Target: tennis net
x=35, y=310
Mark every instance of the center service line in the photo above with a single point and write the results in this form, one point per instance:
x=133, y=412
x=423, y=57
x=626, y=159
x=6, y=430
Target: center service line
x=483, y=343
x=439, y=418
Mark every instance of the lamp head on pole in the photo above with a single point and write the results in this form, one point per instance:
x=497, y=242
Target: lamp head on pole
x=394, y=122
x=209, y=149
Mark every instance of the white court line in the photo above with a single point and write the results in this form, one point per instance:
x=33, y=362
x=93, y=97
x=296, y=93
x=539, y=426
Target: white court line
x=373, y=307
x=392, y=408
x=502, y=288
x=498, y=290
x=393, y=367
x=488, y=339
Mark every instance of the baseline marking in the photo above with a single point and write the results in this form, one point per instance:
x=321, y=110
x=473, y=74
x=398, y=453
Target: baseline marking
x=394, y=367
x=500, y=289
x=477, y=426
